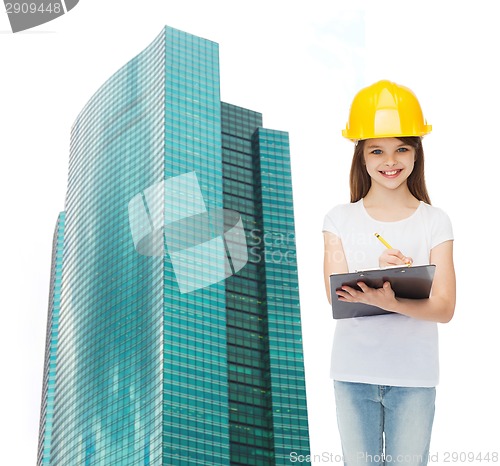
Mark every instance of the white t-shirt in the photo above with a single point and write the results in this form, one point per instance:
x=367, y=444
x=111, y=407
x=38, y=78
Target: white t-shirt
x=390, y=349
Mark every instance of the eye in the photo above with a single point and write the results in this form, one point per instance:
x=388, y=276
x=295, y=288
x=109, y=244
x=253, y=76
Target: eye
x=402, y=149
x=376, y=151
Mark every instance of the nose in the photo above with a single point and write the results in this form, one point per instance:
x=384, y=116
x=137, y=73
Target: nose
x=391, y=160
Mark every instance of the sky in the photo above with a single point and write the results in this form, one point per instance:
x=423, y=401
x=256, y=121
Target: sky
x=299, y=64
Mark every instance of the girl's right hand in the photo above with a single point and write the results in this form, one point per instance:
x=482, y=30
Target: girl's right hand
x=392, y=257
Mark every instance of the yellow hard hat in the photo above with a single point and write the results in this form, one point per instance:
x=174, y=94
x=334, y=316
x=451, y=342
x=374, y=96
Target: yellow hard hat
x=384, y=110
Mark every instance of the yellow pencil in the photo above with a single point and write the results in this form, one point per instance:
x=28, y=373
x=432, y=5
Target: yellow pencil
x=383, y=241
x=388, y=246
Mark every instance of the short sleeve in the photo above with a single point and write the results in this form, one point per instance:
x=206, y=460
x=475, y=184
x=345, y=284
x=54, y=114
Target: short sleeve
x=442, y=229
x=331, y=222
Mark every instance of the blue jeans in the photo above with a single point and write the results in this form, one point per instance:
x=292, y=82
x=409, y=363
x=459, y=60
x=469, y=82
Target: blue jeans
x=383, y=425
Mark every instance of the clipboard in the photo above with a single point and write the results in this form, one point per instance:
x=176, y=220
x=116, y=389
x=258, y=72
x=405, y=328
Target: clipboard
x=407, y=282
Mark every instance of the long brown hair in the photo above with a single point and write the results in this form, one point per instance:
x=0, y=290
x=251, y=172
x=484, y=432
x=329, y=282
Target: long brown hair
x=360, y=181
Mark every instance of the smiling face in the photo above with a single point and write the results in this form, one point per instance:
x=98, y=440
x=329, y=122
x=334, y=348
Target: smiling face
x=389, y=161
x=360, y=181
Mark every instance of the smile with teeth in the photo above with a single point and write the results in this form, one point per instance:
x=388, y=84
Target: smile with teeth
x=391, y=172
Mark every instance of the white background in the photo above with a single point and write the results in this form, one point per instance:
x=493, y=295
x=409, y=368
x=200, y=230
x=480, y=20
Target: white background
x=298, y=63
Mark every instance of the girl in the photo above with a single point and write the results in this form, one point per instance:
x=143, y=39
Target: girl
x=385, y=368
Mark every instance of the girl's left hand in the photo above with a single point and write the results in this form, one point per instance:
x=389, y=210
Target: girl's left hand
x=381, y=297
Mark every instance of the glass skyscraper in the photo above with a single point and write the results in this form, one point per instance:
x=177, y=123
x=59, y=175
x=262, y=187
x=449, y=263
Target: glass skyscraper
x=174, y=334
x=49, y=373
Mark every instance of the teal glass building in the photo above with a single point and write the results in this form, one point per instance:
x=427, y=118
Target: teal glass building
x=49, y=372
x=178, y=334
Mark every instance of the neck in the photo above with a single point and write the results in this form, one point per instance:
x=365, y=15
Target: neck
x=380, y=196
x=390, y=205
